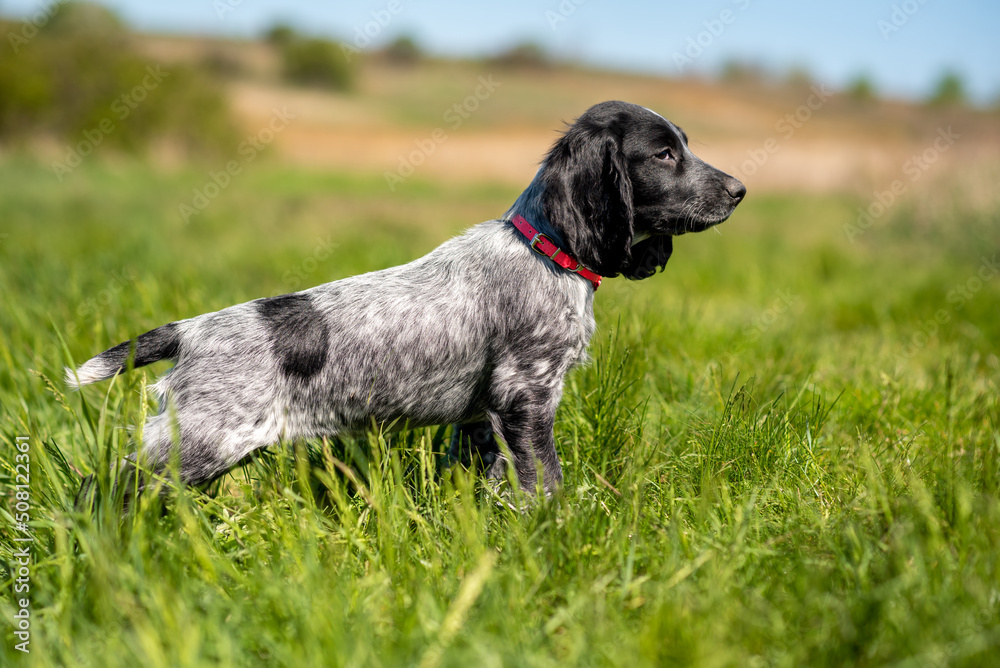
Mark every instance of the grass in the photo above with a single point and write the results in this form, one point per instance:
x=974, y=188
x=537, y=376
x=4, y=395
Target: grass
x=782, y=453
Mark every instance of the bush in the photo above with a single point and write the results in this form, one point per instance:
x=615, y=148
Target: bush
x=312, y=61
x=317, y=62
x=526, y=55
x=799, y=77
x=72, y=19
x=743, y=73
x=950, y=90
x=861, y=89
x=280, y=35
x=223, y=64
x=80, y=74
x=403, y=51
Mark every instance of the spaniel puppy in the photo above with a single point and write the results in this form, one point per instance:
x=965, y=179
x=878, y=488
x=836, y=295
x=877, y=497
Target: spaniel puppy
x=480, y=332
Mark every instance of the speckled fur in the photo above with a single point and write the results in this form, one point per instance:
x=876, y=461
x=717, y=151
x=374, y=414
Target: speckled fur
x=480, y=332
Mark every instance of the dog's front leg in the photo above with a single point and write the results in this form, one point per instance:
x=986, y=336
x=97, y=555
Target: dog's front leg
x=526, y=429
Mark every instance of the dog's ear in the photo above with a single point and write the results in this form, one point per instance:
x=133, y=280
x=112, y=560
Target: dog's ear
x=588, y=197
x=648, y=256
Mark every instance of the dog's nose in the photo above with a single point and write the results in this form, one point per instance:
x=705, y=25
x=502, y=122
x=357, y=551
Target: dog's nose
x=736, y=189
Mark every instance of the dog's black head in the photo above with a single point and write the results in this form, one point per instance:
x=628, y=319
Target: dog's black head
x=621, y=174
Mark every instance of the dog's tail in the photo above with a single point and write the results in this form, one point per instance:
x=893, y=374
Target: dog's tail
x=159, y=344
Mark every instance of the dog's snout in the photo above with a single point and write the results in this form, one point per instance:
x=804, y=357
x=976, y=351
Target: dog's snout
x=736, y=189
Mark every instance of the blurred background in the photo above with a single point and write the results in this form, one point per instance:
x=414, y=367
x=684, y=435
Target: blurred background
x=846, y=91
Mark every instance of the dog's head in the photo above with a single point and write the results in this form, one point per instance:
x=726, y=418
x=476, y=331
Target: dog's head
x=622, y=181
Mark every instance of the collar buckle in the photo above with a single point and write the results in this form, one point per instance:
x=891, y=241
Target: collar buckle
x=543, y=245
x=540, y=239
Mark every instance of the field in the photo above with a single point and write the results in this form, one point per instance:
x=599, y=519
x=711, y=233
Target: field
x=786, y=450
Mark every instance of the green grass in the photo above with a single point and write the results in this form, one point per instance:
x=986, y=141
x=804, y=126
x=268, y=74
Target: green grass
x=766, y=463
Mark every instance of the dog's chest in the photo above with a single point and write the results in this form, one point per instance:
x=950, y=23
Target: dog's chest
x=585, y=327
x=579, y=326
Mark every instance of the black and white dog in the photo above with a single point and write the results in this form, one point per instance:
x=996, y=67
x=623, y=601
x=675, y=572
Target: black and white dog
x=480, y=332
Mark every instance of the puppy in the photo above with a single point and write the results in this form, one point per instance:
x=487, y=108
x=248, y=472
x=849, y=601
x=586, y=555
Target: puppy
x=480, y=332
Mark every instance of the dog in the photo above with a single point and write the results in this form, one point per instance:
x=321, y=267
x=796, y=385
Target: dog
x=479, y=333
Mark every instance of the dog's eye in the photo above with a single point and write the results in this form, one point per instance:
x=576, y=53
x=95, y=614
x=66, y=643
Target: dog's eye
x=665, y=154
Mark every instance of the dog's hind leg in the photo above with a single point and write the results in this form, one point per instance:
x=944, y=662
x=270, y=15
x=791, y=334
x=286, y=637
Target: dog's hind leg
x=473, y=445
x=203, y=453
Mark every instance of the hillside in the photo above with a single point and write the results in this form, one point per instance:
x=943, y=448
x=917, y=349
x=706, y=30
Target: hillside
x=776, y=136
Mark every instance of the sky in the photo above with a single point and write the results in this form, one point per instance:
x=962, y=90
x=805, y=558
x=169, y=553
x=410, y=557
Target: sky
x=903, y=46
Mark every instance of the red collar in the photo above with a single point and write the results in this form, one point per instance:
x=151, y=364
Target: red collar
x=546, y=247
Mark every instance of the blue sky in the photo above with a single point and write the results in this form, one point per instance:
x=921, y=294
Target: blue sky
x=835, y=40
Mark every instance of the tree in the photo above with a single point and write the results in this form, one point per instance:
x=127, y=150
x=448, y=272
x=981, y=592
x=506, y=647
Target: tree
x=527, y=54
x=317, y=62
x=861, y=89
x=949, y=91
x=280, y=34
x=403, y=50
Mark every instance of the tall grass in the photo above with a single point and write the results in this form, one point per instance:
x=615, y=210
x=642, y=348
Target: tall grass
x=753, y=477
